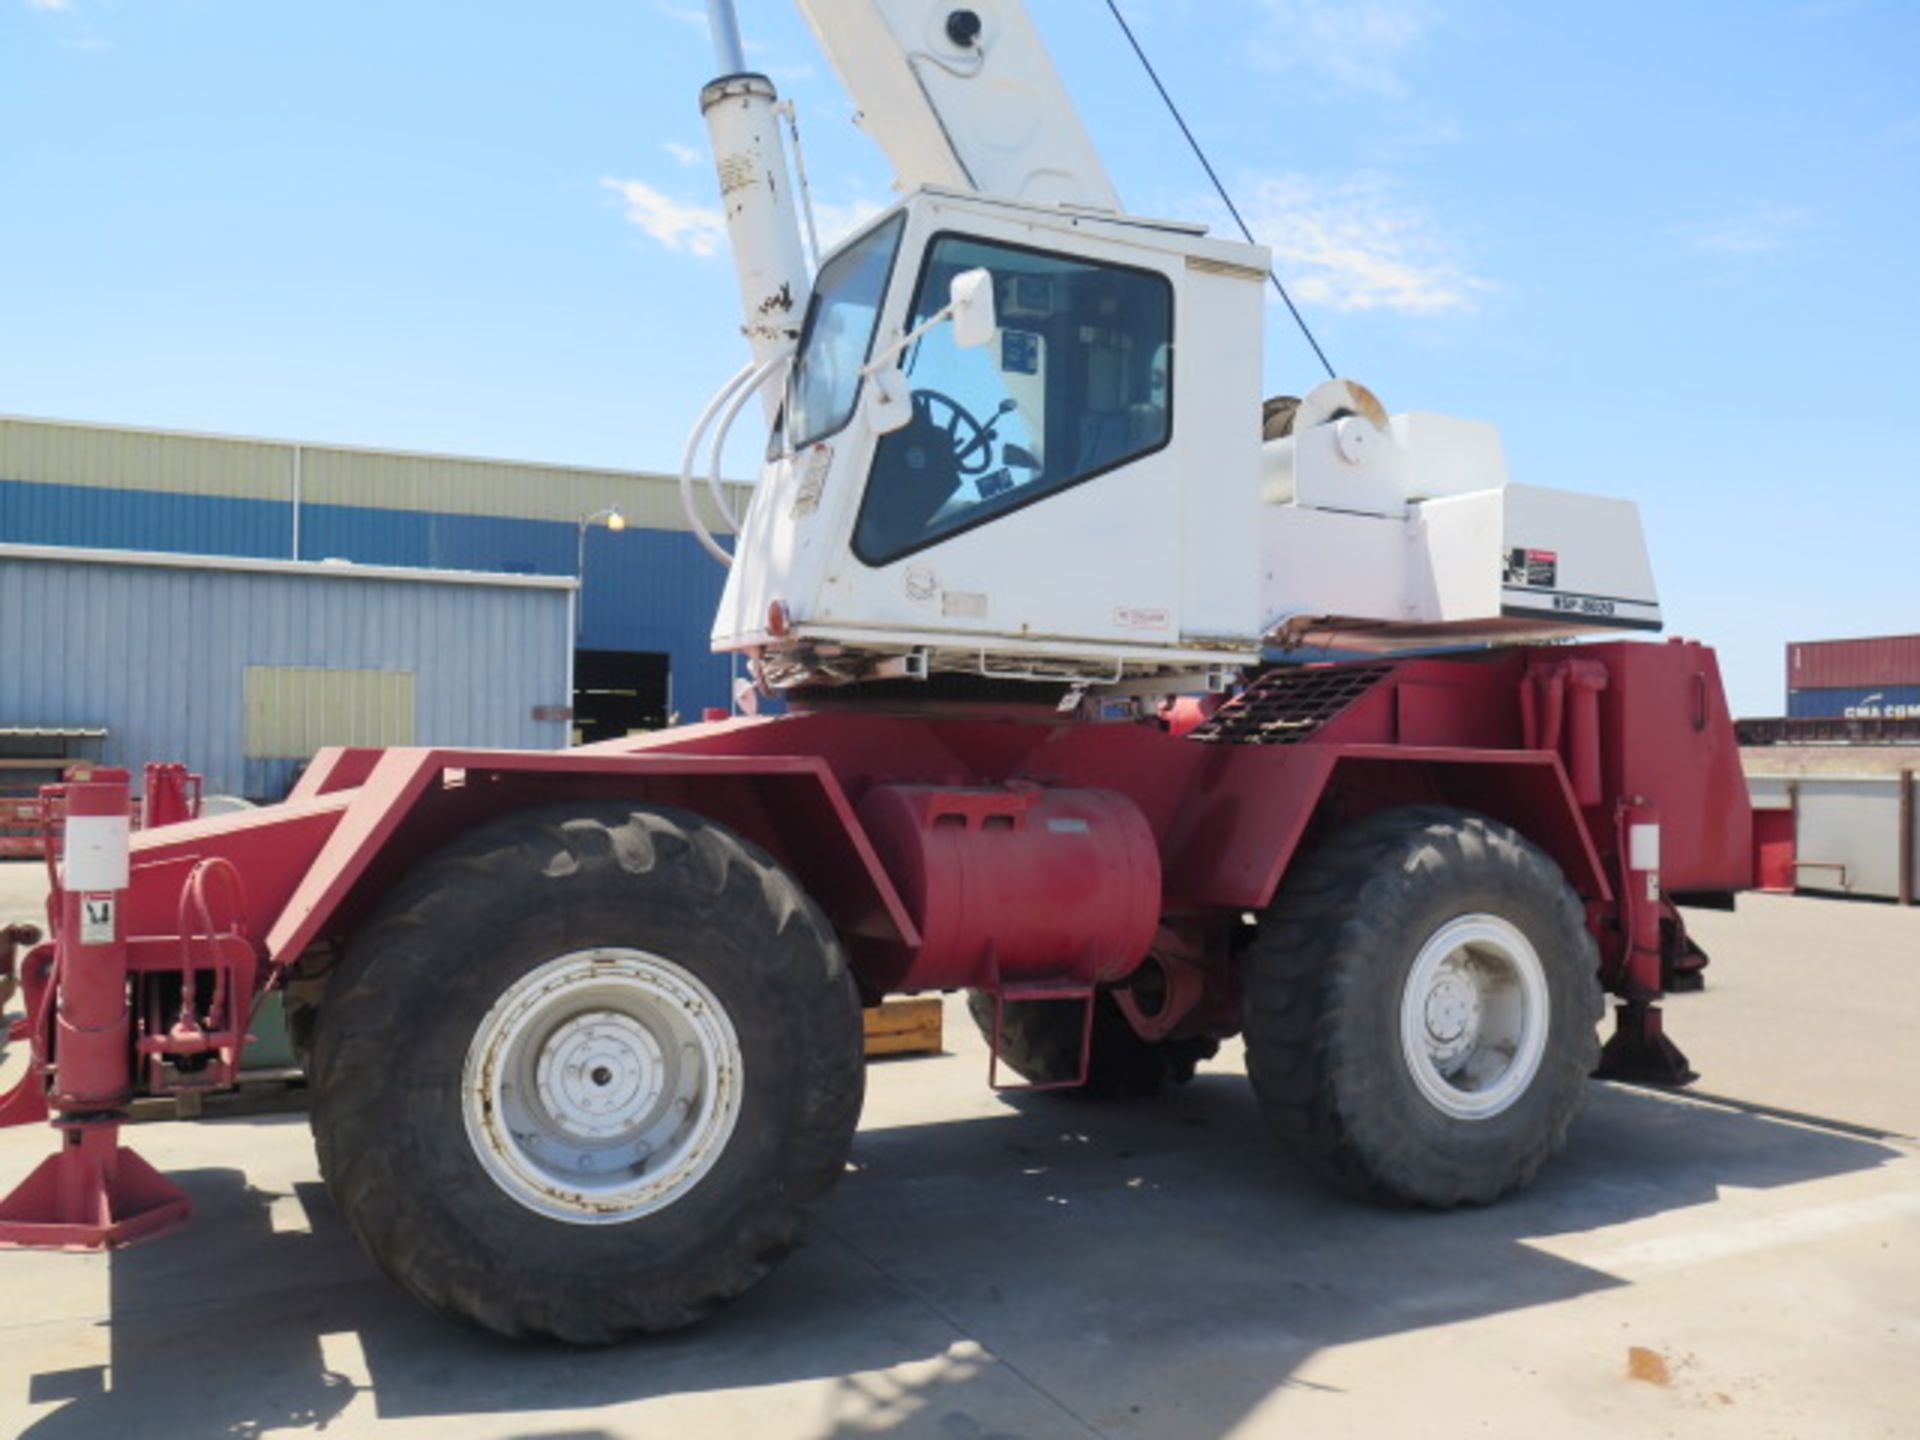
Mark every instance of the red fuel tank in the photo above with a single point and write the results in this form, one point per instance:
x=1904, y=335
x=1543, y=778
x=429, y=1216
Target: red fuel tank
x=1017, y=882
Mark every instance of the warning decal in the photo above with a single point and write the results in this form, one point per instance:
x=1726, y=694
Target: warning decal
x=96, y=919
x=1537, y=568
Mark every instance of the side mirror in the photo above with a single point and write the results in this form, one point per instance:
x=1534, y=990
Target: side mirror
x=975, y=321
x=889, y=402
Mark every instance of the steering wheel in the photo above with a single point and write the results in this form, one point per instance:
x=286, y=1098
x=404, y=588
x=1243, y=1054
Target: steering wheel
x=972, y=441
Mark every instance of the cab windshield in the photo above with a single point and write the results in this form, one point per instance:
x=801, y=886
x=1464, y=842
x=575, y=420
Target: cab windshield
x=1077, y=383
x=839, y=335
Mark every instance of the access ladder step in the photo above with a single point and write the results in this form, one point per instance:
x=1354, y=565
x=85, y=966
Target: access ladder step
x=1023, y=991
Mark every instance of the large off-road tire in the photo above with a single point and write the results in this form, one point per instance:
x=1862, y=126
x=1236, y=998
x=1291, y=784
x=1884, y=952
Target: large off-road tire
x=583, y=1072
x=1421, y=1006
x=1040, y=1042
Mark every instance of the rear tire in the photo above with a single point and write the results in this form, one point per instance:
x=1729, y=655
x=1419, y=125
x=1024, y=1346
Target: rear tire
x=1421, y=1008
x=583, y=1072
x=1040, y=1042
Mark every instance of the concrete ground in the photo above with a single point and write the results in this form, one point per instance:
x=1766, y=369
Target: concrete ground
x=997, y=1267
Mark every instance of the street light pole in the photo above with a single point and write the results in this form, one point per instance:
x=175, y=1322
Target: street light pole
x=614, y=521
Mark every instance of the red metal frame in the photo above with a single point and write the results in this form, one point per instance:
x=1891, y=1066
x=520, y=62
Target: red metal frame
x=171, y=793
x=1571, y=747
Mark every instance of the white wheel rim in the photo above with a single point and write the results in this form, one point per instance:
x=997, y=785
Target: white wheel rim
x=602, y=1086
x=1474, y=1016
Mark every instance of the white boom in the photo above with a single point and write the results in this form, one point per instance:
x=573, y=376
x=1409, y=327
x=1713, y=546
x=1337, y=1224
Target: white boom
x=1022, y=437
x=763, y=221
x=963, y=98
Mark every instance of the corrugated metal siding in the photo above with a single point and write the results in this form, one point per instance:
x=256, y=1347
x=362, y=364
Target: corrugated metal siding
x=1836, y=664
x=293, y=711
x=452, y=486
x=159, y=656
x=1859, y=702
x=645, y=589
x=1847, y=836
x=44, y=452
x=49, y=453
x=651, y=590
x=649, y=587
x=35, y=514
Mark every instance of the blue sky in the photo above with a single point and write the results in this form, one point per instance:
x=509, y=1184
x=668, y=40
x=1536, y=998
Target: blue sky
x=1670, y=248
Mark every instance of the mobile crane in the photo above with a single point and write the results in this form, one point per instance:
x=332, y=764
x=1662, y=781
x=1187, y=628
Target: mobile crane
x=582, y=1028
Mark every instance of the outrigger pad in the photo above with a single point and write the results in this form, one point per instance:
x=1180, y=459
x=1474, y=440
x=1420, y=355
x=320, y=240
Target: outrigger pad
x=91, y=1195
x=1640, y=1052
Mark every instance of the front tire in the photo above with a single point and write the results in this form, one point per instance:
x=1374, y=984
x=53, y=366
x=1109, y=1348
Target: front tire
x=1421, y=1008
x=584, y=1071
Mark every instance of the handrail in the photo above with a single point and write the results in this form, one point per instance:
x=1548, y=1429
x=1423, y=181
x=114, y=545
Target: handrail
x=699, y=527
x=745, y=382
x=775, y=365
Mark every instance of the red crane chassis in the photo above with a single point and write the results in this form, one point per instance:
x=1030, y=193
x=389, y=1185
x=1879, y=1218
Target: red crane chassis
x=1017, y=852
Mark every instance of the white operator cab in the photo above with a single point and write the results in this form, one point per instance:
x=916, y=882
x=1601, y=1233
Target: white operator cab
x=1066, y=499
x=1069, y=482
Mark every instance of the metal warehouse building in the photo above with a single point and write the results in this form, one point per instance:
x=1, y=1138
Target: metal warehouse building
x=243, y=668
x=236, y=603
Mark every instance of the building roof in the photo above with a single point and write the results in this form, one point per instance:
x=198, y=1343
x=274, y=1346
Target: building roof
x=315, y=569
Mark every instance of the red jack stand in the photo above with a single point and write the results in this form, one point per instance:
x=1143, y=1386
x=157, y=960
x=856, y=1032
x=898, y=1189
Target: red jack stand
x=93, y=1194
x=1640, y=1052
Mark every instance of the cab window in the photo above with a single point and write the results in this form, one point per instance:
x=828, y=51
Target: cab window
x=839, y=334
x=1078, y=381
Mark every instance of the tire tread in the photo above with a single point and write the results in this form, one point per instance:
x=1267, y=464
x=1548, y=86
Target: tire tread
x=376, y=1184
x=1301, y=985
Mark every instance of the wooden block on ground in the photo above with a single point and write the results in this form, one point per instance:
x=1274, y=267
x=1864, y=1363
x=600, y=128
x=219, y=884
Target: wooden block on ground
x=260, y=1092
x=904, y=1027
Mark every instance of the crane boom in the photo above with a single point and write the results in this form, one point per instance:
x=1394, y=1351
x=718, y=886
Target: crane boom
x=962, y=98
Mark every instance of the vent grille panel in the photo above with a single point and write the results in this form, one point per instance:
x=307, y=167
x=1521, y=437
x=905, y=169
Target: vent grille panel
x=1288, y=705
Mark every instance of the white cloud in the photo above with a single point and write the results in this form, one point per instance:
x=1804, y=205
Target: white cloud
x=50, y=4
x=695, y=229
x=1753, y=232
x=1363, y=46
x=676, y=224
x=684, y=154
x=1356, y=245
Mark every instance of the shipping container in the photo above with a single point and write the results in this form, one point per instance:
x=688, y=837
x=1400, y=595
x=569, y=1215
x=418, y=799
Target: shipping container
x=1855, y=702
x=1845, y=829
x=1842, y=664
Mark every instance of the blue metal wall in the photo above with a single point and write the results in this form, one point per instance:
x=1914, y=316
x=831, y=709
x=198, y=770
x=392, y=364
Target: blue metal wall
x=158, y=655
x=644, y=589
x=97, y=517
